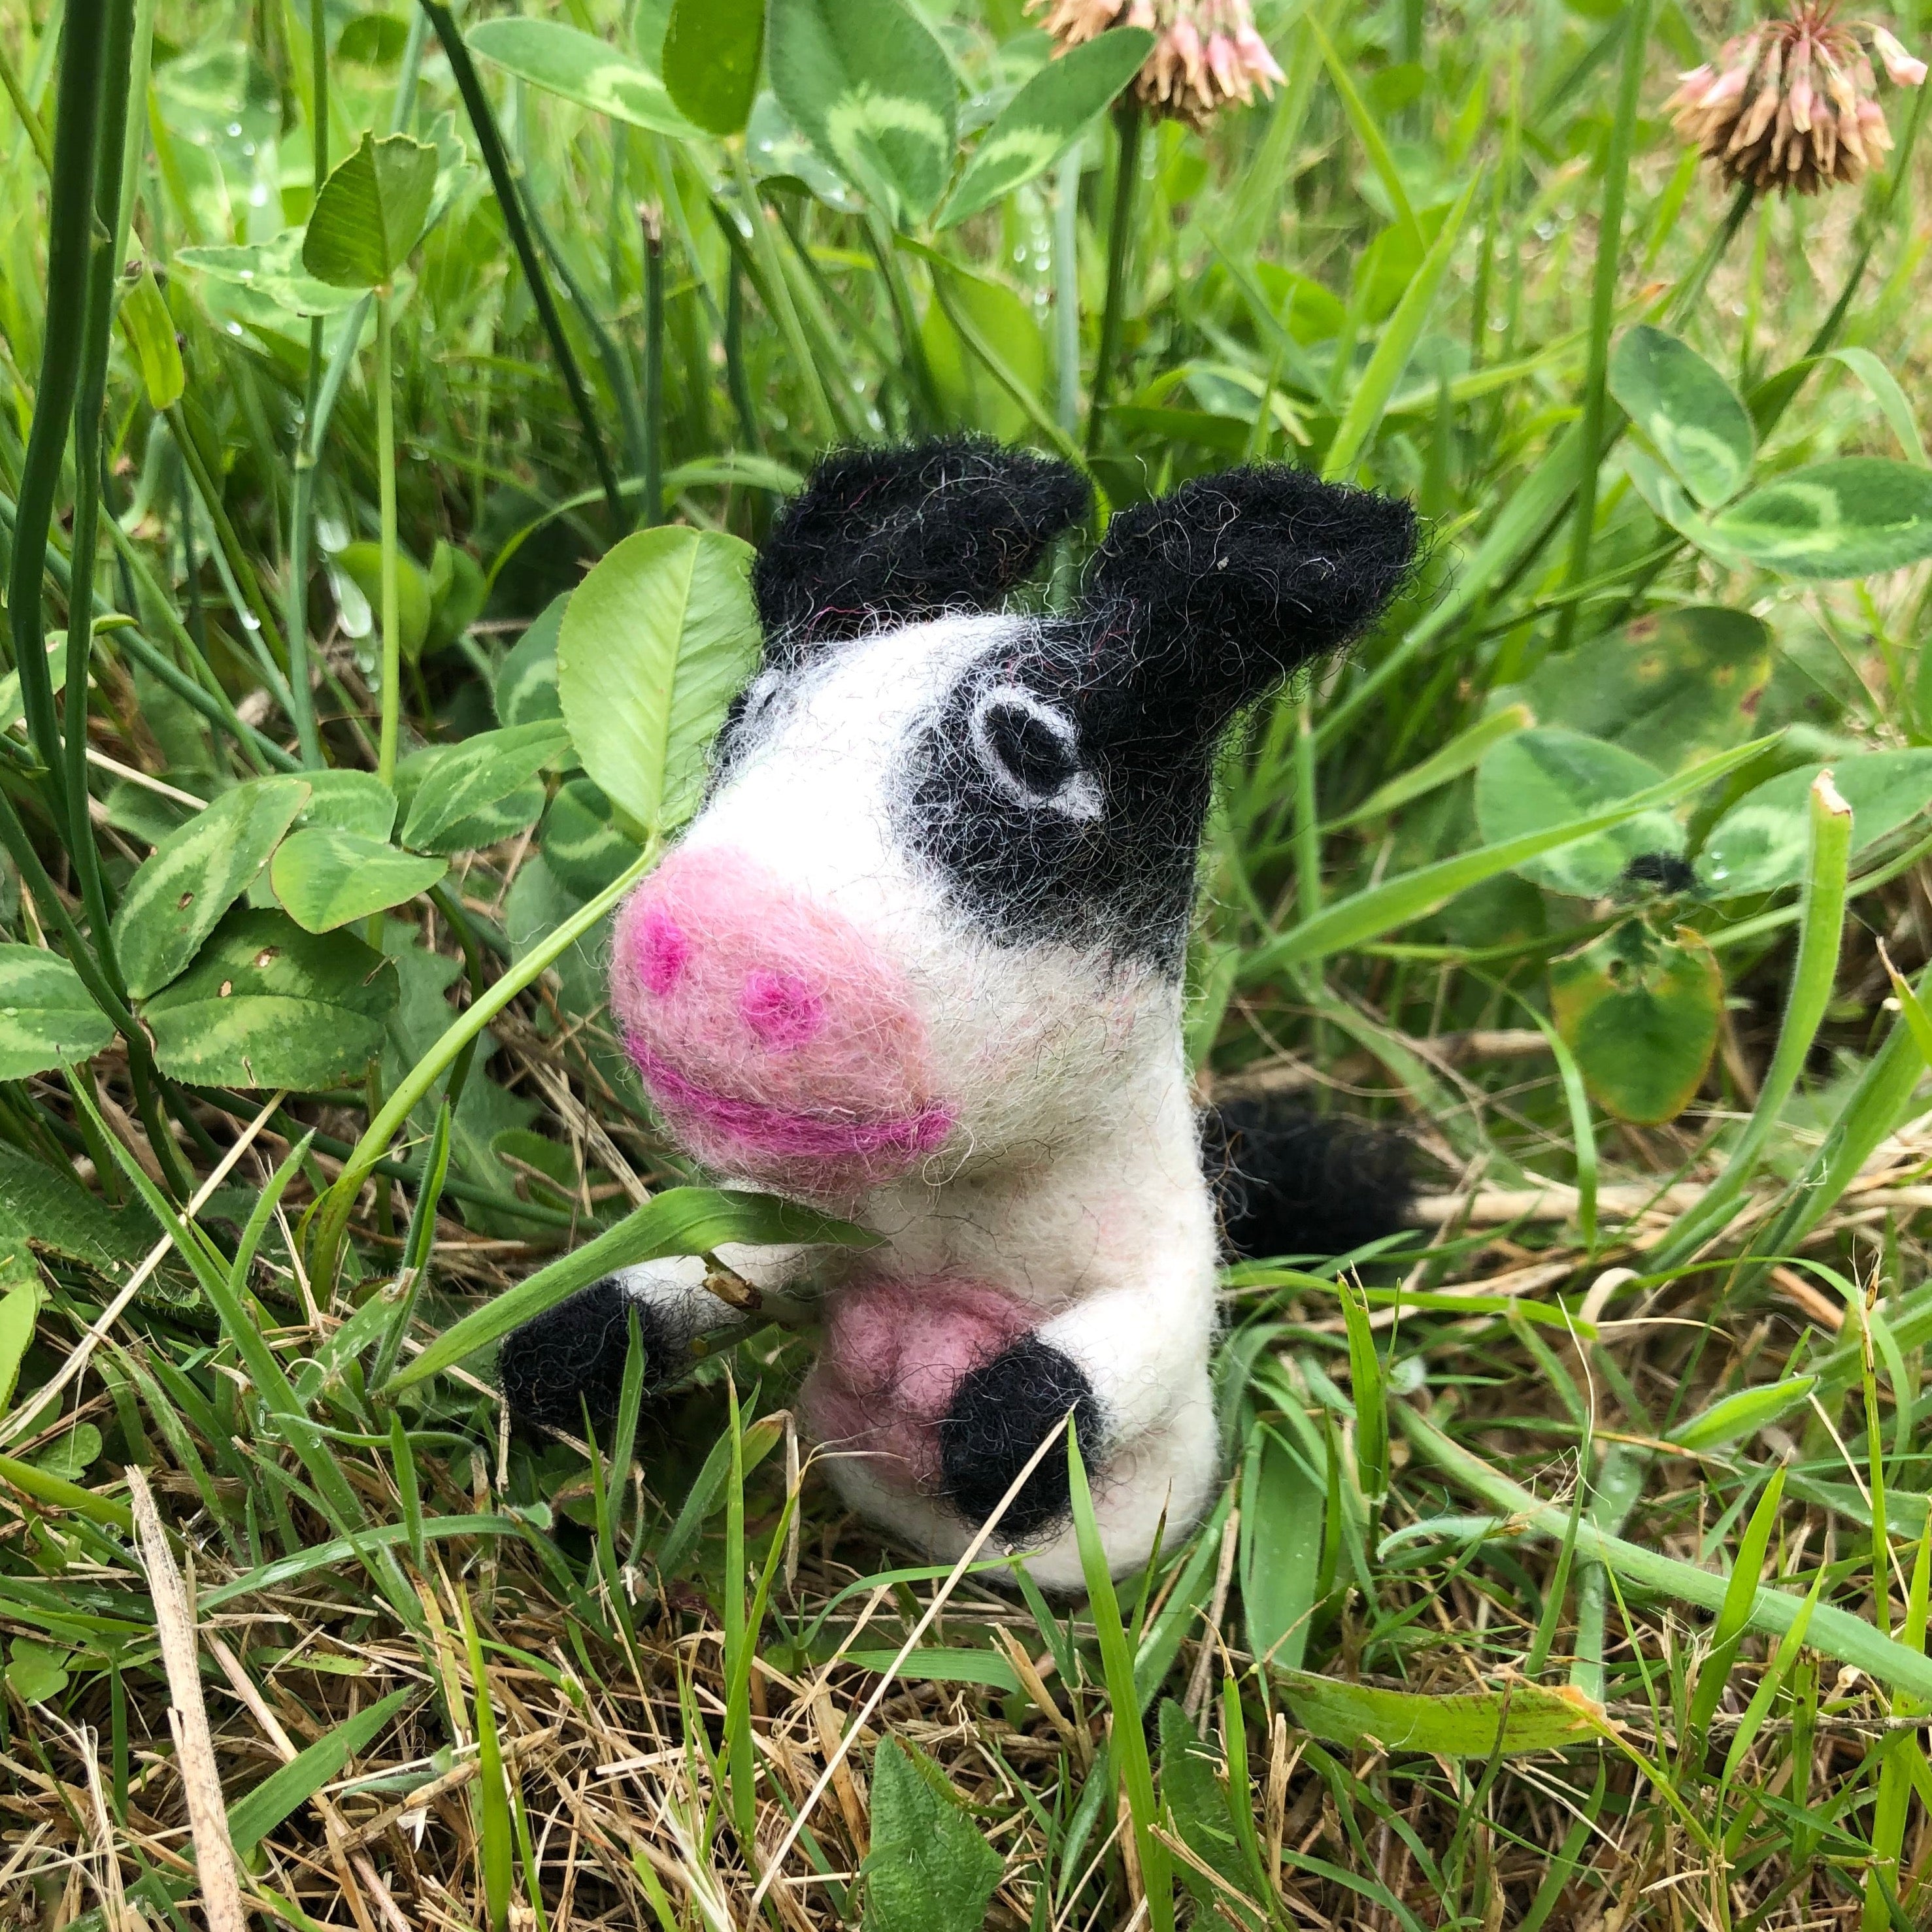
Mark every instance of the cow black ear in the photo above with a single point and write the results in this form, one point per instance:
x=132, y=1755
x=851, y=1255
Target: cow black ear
x=882, y=535
x=1222, y=590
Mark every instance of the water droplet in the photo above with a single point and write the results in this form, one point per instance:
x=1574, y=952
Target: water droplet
x=250, y=622
x=258, y=196
x=234, y=128
x=234, y=328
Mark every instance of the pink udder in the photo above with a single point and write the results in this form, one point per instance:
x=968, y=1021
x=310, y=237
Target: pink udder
x=894, y=1355
x=777, y=1043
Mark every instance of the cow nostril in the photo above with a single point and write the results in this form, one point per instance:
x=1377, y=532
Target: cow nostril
x=782, y=1009
x=661, y=951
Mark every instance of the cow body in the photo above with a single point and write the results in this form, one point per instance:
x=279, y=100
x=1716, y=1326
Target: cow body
x=919, y=960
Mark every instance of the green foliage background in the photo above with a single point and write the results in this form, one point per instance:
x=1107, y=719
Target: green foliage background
x=393, y=400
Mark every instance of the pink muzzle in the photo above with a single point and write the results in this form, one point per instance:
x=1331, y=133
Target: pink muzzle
x=778, y=1045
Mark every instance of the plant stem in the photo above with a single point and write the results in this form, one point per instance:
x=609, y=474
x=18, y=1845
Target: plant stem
x=905, y=320
x=1307, y=821
x=295, y=602
x=294, y=591
x=1820, y=937
x=108, y=996
x=134, y=124
x=117, y=33
x=236, y=557
x=69, y=230
x=483, y=120
x=1603, y=298
x=385, y=474
x=1067, y=290
x=53, y=909
x=324, y=384
x=776, y=288
x=652, y=230
x=1130, y=122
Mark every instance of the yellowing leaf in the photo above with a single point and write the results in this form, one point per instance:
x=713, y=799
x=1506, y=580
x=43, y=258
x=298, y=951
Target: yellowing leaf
x=1641, y=1014
x=1476, y=1723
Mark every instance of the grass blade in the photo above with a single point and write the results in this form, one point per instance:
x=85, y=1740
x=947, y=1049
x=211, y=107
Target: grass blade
x=1734, y=1615
x=1839, y=1633
x=253, y=1815
x=1370, y=397
x=1127, y=1737
x=1462, y=753
x=680, y=1221
x=1367, y=915
x=1821, y=934
x=496, y=1835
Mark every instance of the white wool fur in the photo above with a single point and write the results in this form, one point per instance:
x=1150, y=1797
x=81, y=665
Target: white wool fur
x=1071, y=1180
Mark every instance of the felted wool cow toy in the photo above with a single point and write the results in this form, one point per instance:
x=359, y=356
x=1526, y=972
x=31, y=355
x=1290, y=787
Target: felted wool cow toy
x=918, y=960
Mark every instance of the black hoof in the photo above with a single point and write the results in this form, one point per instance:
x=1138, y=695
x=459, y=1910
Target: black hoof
x=550, y=1367
x=1001, y=1411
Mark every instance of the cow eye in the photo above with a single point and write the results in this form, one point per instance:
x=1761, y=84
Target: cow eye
x=1031, y=752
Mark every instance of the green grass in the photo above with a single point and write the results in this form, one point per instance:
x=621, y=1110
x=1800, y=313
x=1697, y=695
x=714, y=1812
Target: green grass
x=1572, y=1571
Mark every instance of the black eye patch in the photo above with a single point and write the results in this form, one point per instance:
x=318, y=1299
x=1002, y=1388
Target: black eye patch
x=1047, y=817
x=1040, y=759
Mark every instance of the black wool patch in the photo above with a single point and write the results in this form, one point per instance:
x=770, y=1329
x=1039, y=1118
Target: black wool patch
x=881, y=537
x=1060, y=788
x=574, y=1353
x=1000, y=1412
x=1216, y=594
x=1088, y=838
x=1289, y=1181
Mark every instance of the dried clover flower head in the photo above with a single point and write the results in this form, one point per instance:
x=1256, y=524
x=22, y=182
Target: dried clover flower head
x=1206, y=53
x=1789, y=105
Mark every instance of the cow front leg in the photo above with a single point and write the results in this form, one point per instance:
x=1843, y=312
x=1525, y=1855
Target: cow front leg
x=934, y=1397
x=573, y=1354
x=1124, y=1363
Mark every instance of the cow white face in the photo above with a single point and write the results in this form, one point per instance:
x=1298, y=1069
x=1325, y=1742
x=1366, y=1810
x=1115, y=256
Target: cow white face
x=933, y=913
x=820, y=997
